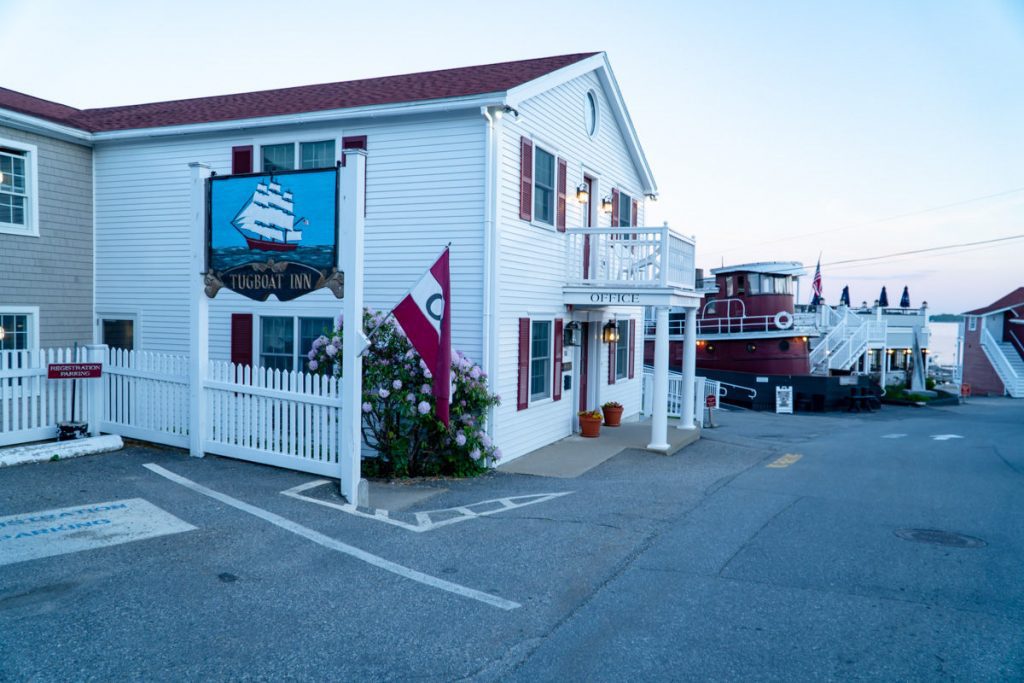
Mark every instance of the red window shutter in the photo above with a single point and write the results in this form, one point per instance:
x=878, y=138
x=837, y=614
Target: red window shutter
x=523, y=401
x=525, y=179
x=562, y=181
x=611, y=362
x=241, y=338
x=632, y=345
x=241, y=159
x=636, y=213
x=556, y=386
x=615, y=207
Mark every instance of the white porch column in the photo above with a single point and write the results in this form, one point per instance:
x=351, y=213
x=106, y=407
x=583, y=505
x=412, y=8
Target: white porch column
x=689, y=368
x=659, y=421
x=199, y=309
x=351, y=203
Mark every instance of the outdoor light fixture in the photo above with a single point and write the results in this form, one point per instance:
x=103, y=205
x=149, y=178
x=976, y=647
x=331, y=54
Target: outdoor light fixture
x=582, y=194
x=606, y=204
x=3, y=333
x=570, y=336
x=610, y=332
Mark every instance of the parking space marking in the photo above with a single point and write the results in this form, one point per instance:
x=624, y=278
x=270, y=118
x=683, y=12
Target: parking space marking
x=425, y=521
x=332, y=544
x=785, y=461
x=893, y=436
x=945, y=437
x=35, y=535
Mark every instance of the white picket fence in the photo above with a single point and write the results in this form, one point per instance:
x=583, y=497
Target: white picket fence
x=145, y=396
x=30, y=404
x=286, y=419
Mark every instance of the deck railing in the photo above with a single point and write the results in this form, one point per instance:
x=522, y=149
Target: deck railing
x=658, y=257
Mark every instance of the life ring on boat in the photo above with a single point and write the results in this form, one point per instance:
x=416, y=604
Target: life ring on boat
x=783, y=320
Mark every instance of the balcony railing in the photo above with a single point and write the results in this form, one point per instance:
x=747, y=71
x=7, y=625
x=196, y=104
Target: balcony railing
x=632, y=256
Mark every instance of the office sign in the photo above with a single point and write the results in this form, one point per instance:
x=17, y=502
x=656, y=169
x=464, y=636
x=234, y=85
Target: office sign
x=273, y=234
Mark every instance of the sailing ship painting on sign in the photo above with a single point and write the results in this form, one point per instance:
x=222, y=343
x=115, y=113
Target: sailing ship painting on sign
x=273, y=234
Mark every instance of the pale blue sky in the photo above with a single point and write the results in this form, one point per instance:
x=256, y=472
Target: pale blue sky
x=761, y=120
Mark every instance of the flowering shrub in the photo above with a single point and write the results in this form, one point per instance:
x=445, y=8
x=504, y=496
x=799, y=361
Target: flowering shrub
x=399, y=420
x=591, y=414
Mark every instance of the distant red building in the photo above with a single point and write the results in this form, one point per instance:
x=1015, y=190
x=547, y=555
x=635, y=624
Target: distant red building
x=993, y=356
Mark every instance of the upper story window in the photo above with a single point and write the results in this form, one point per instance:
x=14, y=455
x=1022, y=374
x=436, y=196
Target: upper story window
x=14, y=331
x=972, y=323
x=17, y=189
x=282, y=157
x=285, y=341
x=590, y=113
x=625, y=216
x=544, y=187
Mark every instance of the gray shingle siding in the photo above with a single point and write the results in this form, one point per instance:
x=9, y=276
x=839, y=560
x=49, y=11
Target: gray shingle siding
x=54, y=271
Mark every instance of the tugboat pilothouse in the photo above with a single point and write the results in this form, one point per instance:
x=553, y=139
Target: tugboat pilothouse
x=267, y=222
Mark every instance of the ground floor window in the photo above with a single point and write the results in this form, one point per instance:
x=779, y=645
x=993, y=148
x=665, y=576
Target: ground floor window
x=118, y=333
x=622, y=350
x=15, y=330
x=540, y=360
x=285, y=340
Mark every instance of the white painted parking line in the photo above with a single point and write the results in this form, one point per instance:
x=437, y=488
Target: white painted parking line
x=893, y=436
x=425, y=520
x=328, y=542
x=34, y=535
x=945, y=437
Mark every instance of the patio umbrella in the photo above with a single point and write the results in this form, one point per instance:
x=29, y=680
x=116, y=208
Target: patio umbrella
x=883, y=298
x=905, y=299
x=844, y=298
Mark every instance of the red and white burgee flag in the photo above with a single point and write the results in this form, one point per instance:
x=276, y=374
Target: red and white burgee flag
x=426, y=316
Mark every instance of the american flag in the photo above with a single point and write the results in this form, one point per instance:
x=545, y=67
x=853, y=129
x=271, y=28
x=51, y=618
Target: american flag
x=816, y=284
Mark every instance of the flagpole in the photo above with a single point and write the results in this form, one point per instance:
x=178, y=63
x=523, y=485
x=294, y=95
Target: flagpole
x=369, y=337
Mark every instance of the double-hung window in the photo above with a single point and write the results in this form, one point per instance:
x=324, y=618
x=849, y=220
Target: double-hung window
x=15, y=329
x=622, y=350
x=17, y=189
x=285, y=341
x=544, y=187
x=282, y=157
x=625, y=216
x=540, y=359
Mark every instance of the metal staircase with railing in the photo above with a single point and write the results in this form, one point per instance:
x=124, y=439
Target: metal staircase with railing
x=1007, y=363
x=846, y=341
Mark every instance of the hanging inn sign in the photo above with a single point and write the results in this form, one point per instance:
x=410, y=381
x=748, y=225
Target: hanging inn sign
x=273, y=234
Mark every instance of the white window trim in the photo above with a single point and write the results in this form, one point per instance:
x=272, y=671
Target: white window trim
x=31, y=229
x=972, y=323
x=556, y=153
x=551, y=360
x=625, y=375
x=136, y=319
x=597, y=113
x=299, y=360
x=296, y=144
x=33, y=322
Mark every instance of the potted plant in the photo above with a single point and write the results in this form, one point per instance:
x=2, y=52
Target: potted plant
x=590, y=423
x=612, y=413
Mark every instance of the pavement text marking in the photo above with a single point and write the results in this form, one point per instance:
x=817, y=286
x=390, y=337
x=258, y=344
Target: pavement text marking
x=945, y=437
x=34, y=535
x=424, y=520
x=332, y=544
x=785, y=461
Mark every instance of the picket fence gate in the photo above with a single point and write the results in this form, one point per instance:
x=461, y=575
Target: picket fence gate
x=274, y=417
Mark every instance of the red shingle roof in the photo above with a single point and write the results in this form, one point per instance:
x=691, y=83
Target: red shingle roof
x=1011, y=300
x=427, y=85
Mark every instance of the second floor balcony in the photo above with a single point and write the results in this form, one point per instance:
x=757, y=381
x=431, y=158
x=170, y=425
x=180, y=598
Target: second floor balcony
x=627, y=257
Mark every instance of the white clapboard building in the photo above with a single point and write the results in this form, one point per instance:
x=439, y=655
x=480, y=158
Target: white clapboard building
x=531, y=169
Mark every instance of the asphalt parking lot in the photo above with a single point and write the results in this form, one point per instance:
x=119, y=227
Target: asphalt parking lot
x=767, y=551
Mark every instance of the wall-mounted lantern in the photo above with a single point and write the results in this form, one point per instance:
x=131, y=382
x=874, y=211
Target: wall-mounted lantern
x=571, y=334
x=582, y=194
x=606, y=204
x=610, y=332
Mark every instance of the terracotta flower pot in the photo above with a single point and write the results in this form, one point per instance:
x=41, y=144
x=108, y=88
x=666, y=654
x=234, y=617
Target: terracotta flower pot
x=612, y=415
x=590, y=426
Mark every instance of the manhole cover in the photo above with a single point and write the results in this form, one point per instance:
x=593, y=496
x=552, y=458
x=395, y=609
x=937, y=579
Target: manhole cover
x=939, y=537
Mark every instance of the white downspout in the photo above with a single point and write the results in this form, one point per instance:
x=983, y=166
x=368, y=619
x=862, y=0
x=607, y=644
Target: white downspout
x=492, y=177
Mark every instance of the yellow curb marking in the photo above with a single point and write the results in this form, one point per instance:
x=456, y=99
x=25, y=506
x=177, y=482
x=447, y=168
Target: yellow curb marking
x=785, y=461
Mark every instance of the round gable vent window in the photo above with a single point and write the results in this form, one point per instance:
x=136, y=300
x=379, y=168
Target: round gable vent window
x=590, y=113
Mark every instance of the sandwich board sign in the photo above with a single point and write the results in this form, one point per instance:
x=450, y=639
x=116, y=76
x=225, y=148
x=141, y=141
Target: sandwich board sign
x=784, y=400
x=273, y=234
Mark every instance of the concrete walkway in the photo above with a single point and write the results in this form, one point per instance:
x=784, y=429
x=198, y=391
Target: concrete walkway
x=574, y=455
